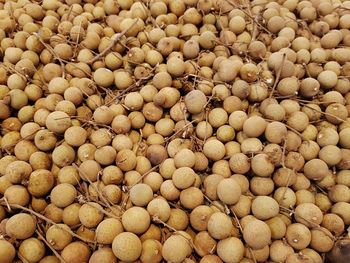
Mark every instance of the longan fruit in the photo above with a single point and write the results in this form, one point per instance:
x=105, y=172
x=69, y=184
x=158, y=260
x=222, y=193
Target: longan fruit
x=17, y=194
x=103, y=255
x=201, y=163
x=344, y=138
x=219, y=225
x=54, y=213
x=62, y=195
x=237, y=119
x=105, y=155
x=204, y=243
x=229, y=191
x=103, y=77
x=275, y=132
x=90, y=214
x=309, y=150
x=107, y=230
x=257, y=234
x=242, y=207
x=239, y=163
x=127, y=246
x=336, y=113
x=185, y=158
x=153, y=232
x=191, y=197
x=279, y=251
x=298, y=257
x=214, y=149
x=261, y=185
x=217, y=117
x=24, y=149
x=333, y=223
x=8, y=251
x=327, y=79
x=285, y=196
x=230, y=249
x=254, y=126
x=169, y=191
x=70, y=214
x=264, y=207
x=156, y=154
x=242, y=181
x=339, y=193
x=183, y=177
x=154, y=180
x=308, y=214
x=210, y=259
x=136, y=220
x=160, y=208
x=20, y=226
x=298, y=120
x=210, y=184
x=75, y=136
x=304, y=196
x=17, y=171
x=58, y=122
x=89, y=169
x=58, y=236
x=45, y=140
x=176, y=248
x=261, y=165
x=32, y=249
x=121, y=124
x=175, y=66
x=315, y=256
x=321, y=240
x=250, y=145
x=40, y=160
x=327, y=136
x=277, y=226
x=151, y=251
x=228, y=70
x=141, y=194
x=315, y=169
x=342, y=209
x=63, y=155
x=41, y=182
x=298, y=236
x=69, y=253
x=69, y=175
x=199, y=217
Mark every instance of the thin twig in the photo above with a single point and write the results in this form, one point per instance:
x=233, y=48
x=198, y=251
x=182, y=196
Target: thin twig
x=247, y=14
x=112, y=44
x=314, y=225
x=50, y=246
x=278, y=75
x=180, y=130
x=52, y=51
x=322, y=112
x=292, y=129
x=143, y=176
x=159, y=221
x=103, y=199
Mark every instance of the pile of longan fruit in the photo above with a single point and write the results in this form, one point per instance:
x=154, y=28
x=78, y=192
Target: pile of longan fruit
x=174, y=131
